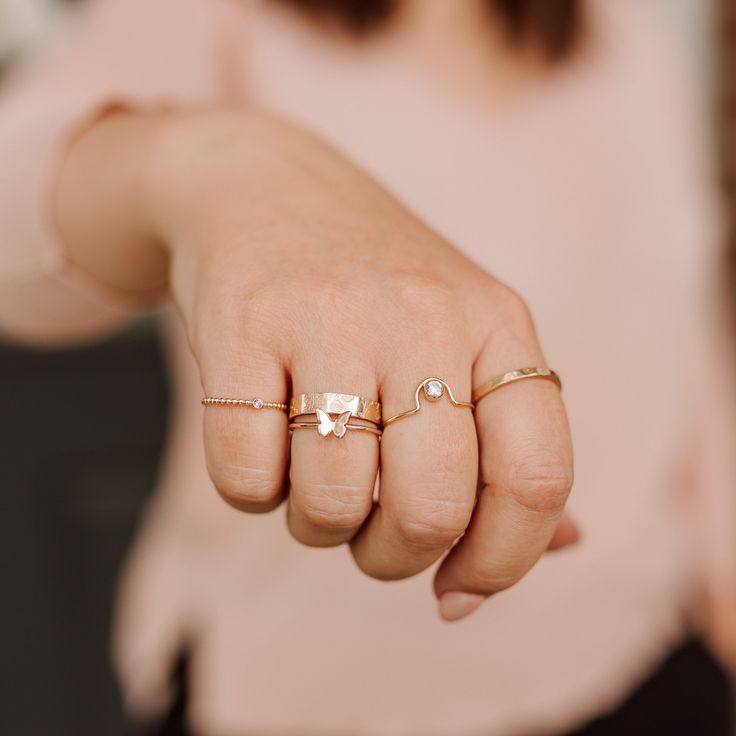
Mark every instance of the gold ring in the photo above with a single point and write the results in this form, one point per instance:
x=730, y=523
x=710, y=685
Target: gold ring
x=434, y=390
x=249, y=403
x=512, y=377
x=337, y=427
x=358, y=406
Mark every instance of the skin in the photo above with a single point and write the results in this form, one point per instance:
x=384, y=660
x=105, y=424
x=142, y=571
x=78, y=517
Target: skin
x=287, y=263
x=184, y=588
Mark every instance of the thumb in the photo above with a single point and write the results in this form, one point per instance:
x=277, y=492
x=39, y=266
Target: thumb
x=148, y=632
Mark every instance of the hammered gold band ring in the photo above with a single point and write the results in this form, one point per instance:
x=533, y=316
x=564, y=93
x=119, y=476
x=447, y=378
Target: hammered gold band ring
x=358, y=406
x=512, y=376
x=434, y=389
x=333, y=413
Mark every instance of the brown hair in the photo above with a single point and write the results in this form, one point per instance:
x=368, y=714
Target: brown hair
x=550, y=26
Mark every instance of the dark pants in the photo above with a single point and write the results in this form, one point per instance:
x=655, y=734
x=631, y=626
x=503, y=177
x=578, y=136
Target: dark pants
x=689, y=695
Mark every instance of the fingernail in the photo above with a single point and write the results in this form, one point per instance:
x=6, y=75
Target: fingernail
x=454, y=605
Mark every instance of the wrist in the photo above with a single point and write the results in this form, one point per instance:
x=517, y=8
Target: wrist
x=218, y=179
x=134, y=187
x=233, y=166
x=100, y=204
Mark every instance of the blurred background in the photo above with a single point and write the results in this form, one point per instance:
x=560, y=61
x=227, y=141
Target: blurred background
x=76, y=472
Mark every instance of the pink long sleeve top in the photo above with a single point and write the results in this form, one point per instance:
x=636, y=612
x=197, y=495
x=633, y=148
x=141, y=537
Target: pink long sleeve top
x=590, y=193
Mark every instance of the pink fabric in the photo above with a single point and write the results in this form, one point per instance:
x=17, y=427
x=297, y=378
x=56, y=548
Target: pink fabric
x=591, y=194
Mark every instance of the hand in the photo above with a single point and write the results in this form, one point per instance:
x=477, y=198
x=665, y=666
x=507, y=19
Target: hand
x=193, y=579
x=187, y=589
x=295, y=272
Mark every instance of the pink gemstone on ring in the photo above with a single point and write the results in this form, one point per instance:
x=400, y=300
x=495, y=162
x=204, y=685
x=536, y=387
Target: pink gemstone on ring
x=258, y=403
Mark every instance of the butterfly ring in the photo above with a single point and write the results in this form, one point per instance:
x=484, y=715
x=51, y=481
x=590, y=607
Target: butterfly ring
x=338, y=427
x=333, y=413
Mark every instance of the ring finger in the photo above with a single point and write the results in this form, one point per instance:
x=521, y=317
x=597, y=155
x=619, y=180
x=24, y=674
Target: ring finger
x=429, y=470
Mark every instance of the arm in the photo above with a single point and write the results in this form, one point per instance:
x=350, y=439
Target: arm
x=263, y=231
x=294, y=271
x=113, y=58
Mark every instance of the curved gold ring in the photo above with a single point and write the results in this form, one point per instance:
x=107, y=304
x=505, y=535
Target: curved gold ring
x=255, y=403
x=358, y=406
x=513, y=376
x=434, y=390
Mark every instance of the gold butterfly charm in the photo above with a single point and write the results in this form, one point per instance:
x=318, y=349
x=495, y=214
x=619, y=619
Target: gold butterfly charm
x=338, y=426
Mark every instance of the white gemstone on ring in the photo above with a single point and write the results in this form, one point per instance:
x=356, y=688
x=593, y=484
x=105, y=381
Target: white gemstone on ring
x=434, y=389
x=258, y=403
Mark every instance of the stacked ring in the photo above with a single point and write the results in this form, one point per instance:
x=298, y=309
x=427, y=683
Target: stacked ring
x=333, y=413
x=358, y=406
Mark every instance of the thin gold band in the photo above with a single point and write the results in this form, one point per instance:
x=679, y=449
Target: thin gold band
x=513, y=376
x=331, y=403
x=434, y=389
x=249, y=403
x=317, y=425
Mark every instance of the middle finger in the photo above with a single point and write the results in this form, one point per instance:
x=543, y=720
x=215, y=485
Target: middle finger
x=332, y=478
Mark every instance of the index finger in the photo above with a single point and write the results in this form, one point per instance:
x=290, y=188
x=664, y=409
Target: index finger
x=526, y=476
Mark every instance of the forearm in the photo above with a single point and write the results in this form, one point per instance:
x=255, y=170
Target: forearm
x=111, y=58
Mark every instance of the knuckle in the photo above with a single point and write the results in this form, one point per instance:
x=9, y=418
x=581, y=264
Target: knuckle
x=515, y=311
x=424, y=293
x=229, y=298
x=511, y=299
x=240, y=485
x=332, y=296
x=431, y=523
x=334, y=506
x=254, y=317
x=540, y=481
